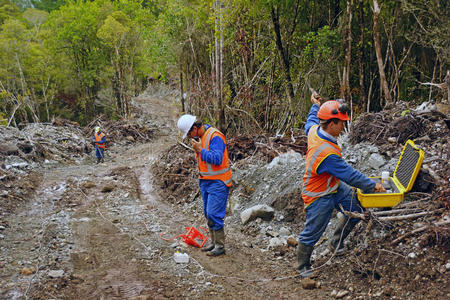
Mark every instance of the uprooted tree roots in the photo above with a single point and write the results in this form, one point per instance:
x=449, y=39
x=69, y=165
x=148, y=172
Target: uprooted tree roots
x=388, y=129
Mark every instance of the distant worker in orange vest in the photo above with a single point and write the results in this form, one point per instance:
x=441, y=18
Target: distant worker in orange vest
x=327, y=180
x=214, y=176
x=99, y=141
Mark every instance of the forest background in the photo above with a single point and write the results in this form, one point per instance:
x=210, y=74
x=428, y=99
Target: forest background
x=243, y=65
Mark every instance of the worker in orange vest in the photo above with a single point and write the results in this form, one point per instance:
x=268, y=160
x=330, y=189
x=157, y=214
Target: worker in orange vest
x=327, y=180
x=214, y=176
x=99, y=141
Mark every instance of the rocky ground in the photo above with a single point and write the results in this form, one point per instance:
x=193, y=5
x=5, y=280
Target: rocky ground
x=72, y=229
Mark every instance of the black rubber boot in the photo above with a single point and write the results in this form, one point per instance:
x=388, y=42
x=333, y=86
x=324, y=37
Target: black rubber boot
x=304, y=255
x=219, y=247
x=211, y=243
x=343, y=229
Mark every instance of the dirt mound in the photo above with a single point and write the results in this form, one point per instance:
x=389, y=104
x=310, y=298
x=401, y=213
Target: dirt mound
x=120, y=131
x=175, y=171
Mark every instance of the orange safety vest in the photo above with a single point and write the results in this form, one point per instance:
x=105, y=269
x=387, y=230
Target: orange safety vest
x=98, y=138
x=210, y=171
x=318, y=185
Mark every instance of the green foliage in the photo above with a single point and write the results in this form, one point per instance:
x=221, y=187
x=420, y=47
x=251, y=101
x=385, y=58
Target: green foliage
x=47, y=5
x=3, y=119
x=80, y=58
x=320, y=45
x=8, y=10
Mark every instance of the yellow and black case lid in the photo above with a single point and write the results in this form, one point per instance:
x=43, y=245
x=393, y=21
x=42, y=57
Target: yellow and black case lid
x=408, y=165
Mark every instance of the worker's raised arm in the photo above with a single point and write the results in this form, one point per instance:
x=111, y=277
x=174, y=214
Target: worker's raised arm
x=312, y=116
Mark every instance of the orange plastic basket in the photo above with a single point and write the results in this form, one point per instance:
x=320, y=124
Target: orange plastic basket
x=194, y=237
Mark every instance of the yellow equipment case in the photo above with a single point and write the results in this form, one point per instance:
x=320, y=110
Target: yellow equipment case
x=402, y=181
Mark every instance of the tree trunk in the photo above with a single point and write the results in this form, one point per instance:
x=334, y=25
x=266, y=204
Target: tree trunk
x=222, y=124
x=348, y=52
x=362, y=88
x=183, y=109
x=284, y=58
x=376, y=39
x=218, y=42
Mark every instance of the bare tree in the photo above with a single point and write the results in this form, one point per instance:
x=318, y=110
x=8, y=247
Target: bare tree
x=348, y=51
x=376, y=39
x=362, y=92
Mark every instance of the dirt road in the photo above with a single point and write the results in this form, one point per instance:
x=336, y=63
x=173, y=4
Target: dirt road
x=101, y=232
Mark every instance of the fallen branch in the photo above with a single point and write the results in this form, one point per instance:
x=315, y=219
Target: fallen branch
x=352, y=214
x=185, y=146
x=394, y=211
x=420, y=229
x=411, y=216
x=413, y=203
x=370, y=215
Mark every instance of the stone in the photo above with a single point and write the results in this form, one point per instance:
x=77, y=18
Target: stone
x=275, y=242
x=258, y=211
x=27, y=271
x=88, y=184
x=341, y=294
x=9, y=149
x=376, y=161
x=292, y=242
x=308, y=284
x=56, y=273
x=107, y=188
x=284, y=232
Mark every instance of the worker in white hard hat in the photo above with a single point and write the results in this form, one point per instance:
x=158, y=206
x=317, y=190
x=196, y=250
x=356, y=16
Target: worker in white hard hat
x=99, y=141
x=214, y=177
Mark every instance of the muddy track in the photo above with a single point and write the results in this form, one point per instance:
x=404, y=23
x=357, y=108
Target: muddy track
x=102, y=232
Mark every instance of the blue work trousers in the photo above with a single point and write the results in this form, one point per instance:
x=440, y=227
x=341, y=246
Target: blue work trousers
x=99, y=152
x=214, y=195
x=318, y=213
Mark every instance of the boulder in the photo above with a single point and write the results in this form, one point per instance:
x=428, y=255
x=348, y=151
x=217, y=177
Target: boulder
x=9, y=149
x=262, y=211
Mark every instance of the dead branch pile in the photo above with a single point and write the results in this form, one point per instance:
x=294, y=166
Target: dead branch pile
x=243, y=146
x=387, y=129
x=176, y=176
x=118, y=131
x=390, y=129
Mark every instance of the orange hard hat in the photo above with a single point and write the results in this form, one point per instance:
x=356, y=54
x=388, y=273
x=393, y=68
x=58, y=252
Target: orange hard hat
x=334, y=109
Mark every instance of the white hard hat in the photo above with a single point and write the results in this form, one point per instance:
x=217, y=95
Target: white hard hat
x=185, y=123
x=97, y=129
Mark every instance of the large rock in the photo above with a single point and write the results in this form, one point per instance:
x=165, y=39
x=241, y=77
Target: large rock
x=376, y=161
x=9, y=149
x=262, y=211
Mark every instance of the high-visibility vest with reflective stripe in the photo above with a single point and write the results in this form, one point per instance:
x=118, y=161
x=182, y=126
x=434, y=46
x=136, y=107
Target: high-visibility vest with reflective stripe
x=98, y=140
x=318, y=185
x=210, y=171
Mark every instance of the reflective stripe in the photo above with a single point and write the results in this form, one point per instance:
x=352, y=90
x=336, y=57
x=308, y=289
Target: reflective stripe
x=320, y=194
x=98, y=137
x=227, y=182
x=313, y=160
x=210, y=170
x=210, y=173
x=318, y=185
